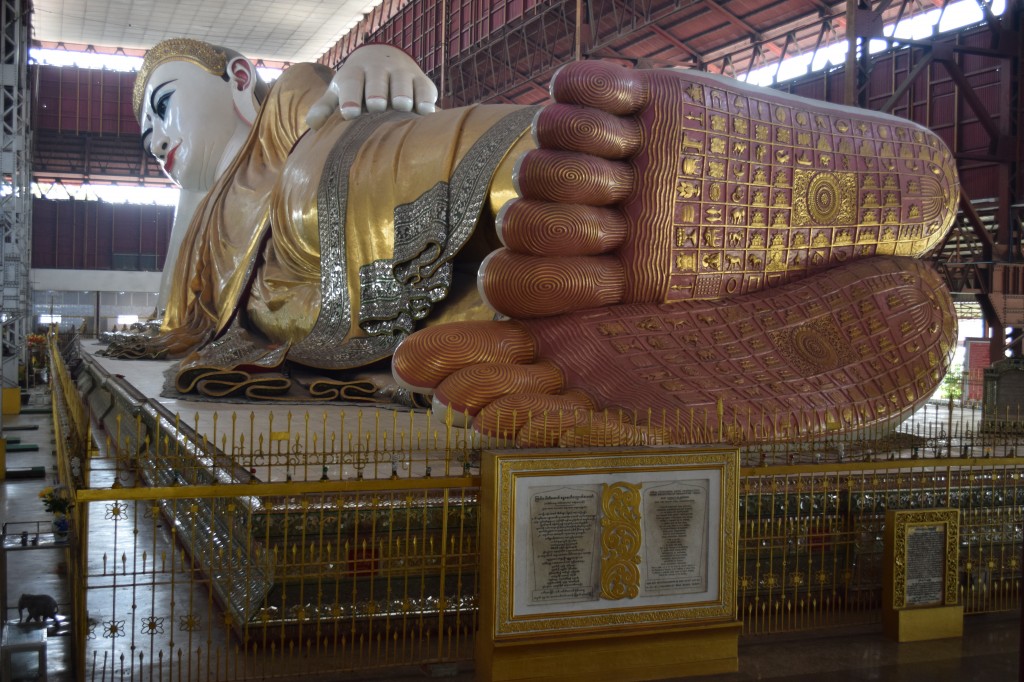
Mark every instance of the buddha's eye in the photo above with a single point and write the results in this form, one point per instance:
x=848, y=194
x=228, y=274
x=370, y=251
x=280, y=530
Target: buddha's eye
x=161, y=105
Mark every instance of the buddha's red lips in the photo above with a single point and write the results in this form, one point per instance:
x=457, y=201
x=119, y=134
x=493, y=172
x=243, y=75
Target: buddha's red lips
x=169, y=161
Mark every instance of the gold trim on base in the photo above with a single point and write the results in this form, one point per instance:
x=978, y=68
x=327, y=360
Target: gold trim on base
x=916, y=625
x=707, y=650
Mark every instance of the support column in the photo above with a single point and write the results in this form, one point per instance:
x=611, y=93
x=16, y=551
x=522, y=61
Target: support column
x=15, y=196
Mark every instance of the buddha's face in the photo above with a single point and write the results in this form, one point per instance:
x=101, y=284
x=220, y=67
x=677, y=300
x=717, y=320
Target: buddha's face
x=189, y=119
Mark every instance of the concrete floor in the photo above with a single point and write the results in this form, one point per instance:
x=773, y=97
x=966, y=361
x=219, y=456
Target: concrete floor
x=34, y=571
x=987, y=652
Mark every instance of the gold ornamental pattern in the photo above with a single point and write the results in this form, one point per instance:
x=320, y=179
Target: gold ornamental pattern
x=203, y=55
x=814, y=347
x=620, y=541
x=824, y=198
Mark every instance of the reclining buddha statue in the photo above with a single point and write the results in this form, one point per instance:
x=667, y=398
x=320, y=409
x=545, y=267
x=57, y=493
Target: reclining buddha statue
x=650, y=243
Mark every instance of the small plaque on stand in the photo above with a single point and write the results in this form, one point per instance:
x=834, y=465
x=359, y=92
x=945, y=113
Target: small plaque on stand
x=921, y=590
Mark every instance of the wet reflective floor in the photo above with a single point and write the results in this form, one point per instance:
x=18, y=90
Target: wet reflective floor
x=33, y=568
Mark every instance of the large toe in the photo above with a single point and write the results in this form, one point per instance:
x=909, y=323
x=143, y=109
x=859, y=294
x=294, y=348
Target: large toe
x=470, y=389
x=602, y=85
x=572, y=178
x=429, y=356
x=545, y=414
x=541, y=228
x=610, y=428
x=533, y=286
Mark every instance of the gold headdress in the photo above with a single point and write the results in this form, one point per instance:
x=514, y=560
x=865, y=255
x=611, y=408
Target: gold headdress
x=205, y=56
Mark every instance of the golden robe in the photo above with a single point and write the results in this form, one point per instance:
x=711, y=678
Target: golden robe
x=328, y=247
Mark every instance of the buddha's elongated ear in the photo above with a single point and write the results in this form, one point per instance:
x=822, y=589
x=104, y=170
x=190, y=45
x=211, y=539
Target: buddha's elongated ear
x=240, y=71
x=242, y=77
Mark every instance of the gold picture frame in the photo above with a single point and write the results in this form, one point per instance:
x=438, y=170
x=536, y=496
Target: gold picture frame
x=576, y=542
x=922, y=540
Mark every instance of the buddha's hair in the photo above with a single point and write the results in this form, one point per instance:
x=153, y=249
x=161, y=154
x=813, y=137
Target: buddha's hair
x=210, y=58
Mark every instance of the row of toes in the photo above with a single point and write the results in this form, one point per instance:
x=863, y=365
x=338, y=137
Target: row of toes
x=558, y=237
x=561, y=234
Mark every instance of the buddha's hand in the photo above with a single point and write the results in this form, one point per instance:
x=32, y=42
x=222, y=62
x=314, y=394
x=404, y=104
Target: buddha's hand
x=373, y=78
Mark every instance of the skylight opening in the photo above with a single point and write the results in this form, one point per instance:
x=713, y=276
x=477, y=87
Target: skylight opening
x=111, y=62
x=111, y=194
x=920, y=27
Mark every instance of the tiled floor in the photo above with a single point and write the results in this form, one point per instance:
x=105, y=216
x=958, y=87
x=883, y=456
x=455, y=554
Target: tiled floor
x=988, y=651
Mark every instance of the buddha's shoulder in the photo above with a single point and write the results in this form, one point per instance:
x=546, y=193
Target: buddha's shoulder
x=302, y=76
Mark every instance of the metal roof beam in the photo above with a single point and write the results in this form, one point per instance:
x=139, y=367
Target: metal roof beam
x=755, y=35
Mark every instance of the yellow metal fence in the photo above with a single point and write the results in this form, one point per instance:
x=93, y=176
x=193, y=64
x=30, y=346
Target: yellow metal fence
x=338, y=540
x=812, y=537
x=320, y=583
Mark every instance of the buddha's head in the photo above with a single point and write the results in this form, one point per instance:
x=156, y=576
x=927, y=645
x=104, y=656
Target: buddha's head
x=194, y=102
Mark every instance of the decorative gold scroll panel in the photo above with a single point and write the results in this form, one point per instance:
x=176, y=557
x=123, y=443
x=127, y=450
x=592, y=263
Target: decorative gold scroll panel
x=621, y=538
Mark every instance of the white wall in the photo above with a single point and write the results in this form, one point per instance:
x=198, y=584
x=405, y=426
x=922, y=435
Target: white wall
x=93, y=280
x=96, y=298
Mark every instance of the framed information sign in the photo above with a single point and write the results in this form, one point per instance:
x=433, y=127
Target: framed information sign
x=585, y=542
x=925, y=551
x=921, y=587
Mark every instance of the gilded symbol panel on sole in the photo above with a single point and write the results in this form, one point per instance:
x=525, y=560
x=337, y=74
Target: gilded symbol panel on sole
x=824, y=198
